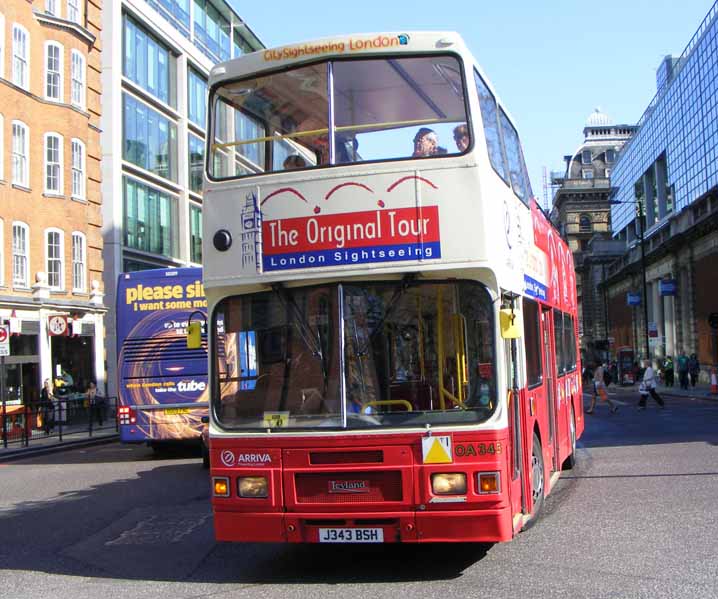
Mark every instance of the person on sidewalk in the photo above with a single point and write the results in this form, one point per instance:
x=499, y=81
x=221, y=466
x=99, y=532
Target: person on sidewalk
x=648, y=387
x=599, y=389
x=47, y=407
x=668, y=371
x=683, y=370
x=694, y=369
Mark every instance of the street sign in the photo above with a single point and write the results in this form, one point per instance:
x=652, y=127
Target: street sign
x=667, y=287
x=4, y=340
x=713, y=320
x=633, y=299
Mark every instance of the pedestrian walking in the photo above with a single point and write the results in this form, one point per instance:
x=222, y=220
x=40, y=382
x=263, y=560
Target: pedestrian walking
x=683, y=370
x=96, y=403
x=694, y=369
x=599, y=389
x=648, y=387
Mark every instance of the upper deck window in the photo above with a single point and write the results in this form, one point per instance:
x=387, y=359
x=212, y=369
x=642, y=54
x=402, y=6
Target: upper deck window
x=517, y=168
x=489, y=116
x=374, y=109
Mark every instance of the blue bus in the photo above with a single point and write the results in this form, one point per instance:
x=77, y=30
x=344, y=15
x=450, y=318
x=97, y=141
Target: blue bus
x=162, y=384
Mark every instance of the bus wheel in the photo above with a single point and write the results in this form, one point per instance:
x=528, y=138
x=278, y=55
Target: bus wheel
x=570, y=461
x=537, y=482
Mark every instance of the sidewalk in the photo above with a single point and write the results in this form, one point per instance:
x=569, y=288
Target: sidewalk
x=43, y=445
x=700, y=391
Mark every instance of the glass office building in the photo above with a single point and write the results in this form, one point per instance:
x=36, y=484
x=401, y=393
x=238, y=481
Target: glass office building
x=664, y=188
x=158, y=54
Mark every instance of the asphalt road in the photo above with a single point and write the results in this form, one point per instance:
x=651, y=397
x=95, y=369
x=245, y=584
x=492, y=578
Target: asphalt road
x=635, y=518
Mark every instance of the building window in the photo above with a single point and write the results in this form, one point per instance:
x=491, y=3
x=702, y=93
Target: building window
x=78, y=169
x=73, y=11
x=20, y=56
x=587, y=173
x=2, y=46
x=150, y=139
x=2, y=147
x=197, y=98
x=53, y=71
x=52, y=7
x=53, y=163
x=54, y=253
x=241, y=45
x=610, y=156
x=196, y=163
x=20, y=155
x=195, y=233
x=586, y=157
x=211, y=29
x=79, y=260
x=20, y=258
x=78, y=79
x=147, y=62
x=584, y=224
x=150, y=221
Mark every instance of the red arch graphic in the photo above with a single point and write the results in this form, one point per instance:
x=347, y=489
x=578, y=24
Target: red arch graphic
x=393, y=185
x=282, y=190
x=338, y=187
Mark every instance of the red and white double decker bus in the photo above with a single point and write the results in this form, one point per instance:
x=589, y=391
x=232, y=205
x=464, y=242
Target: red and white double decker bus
x=392, y=318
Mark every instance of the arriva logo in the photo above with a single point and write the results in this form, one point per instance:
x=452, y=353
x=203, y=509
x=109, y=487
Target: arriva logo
x=191, y=385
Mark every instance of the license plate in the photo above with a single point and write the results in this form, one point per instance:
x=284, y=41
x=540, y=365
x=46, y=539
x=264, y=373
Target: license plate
x=172, y=411
x=351, y=535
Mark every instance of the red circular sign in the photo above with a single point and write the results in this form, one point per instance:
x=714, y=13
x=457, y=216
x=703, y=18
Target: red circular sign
x=3, y=334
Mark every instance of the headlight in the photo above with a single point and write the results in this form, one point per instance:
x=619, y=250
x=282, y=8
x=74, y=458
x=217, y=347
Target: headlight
x=253, y=486
x=453, y=483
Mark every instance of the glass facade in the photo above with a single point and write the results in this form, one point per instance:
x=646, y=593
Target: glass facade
x=150, y=139
x=151, y=223
x=196, y=162
x=672, y=159
x=211, y=29
x=196, y=98
x=195, y=233
x=146, y=61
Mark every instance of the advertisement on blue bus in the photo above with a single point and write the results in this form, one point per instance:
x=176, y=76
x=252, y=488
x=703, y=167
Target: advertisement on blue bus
x=162, y=384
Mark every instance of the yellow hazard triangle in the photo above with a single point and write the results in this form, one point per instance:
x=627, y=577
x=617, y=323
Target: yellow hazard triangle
x=436, y=450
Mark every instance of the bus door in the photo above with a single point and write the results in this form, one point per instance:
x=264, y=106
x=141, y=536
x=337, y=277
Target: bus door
x=549, y=356
x=516, y=436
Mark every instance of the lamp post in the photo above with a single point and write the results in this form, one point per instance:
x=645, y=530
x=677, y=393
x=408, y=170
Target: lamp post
x=642, y=241
x=643, y=275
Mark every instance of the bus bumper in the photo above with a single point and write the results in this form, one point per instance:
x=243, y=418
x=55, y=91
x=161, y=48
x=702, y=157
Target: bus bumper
x=484, y=526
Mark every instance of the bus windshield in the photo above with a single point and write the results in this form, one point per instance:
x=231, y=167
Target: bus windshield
x=375, y=109
x=414, y=353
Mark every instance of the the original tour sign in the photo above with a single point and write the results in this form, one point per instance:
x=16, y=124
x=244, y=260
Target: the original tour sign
x=384, y=235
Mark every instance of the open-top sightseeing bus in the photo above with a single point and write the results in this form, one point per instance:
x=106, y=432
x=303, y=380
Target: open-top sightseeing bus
x=392, y=322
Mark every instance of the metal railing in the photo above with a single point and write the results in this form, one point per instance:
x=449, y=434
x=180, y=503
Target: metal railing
x=74, y=417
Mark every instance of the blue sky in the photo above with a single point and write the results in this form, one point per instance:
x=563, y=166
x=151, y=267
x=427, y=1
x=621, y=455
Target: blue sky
x=551, y=61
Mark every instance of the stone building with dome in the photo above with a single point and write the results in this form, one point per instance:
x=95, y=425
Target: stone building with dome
x=581, y=212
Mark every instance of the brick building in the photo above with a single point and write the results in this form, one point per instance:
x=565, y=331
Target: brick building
x=50, y=205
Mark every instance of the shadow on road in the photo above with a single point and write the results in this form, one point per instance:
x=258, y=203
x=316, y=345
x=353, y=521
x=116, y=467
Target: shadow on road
x=156, y=525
